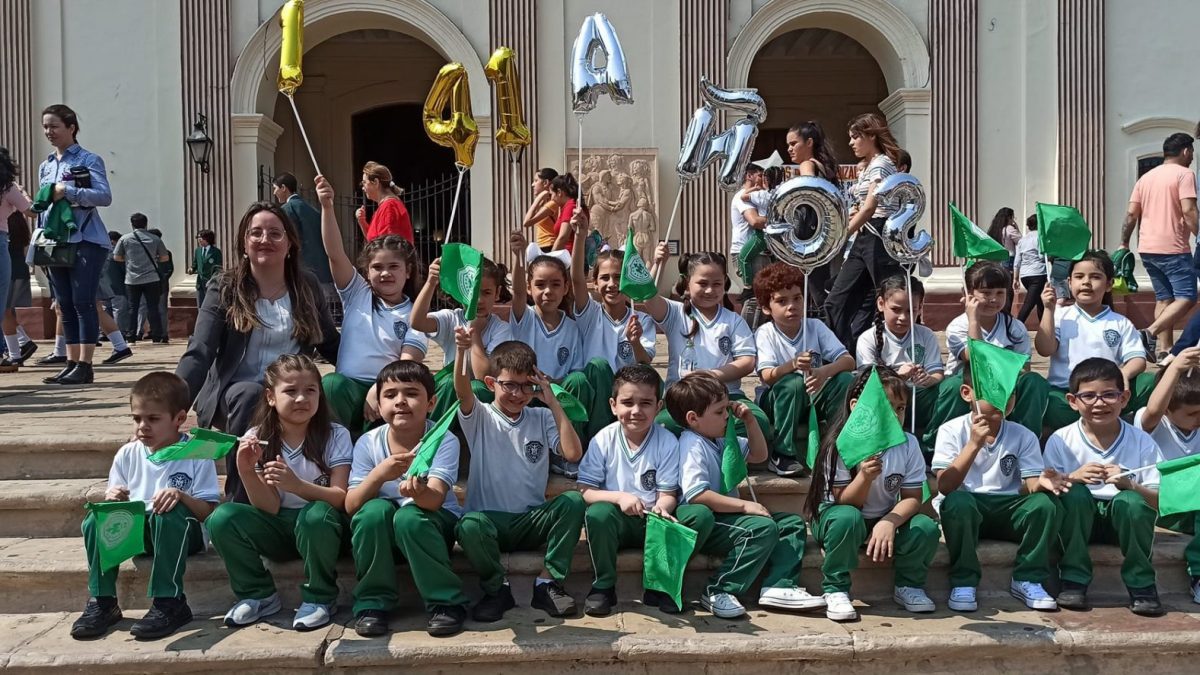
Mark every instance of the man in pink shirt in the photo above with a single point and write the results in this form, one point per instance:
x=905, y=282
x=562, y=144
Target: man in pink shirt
x=1163, y=204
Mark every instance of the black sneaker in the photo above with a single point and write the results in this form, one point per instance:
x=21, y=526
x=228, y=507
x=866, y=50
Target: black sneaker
x=27, y=350
x=98, y=616
x=492, y=607
x=552, y=599
x=82, y=373
x=161, y=341
x=1073, y=596
x=371, y=623
x=662, y=601
x=166, y=616
x=1144, y=602
x=66, y=370
x=52, y=360
x=118, y=356
x=784, y=465
x=1150, y=343
x=600, y=601
x=446, y=620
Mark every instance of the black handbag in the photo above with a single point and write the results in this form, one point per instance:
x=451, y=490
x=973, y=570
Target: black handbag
x=48, y=253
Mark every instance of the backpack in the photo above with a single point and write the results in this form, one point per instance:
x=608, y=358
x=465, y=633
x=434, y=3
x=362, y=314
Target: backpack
x=1123, y=262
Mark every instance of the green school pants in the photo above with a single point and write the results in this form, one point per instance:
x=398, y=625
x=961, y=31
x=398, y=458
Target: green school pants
x=1060, y=414
x=1030, y=520
x=842, y=531
x=1032, y=392
x=1127, y=521
x=749, y=544
x=170, y=538
x=556, y=524
x=243, y=535
x=1186, y=523
x=664, y=418
x=443, y=388
x=609, y=530
x=380, y=530
x=346, y=397
x=788, y=405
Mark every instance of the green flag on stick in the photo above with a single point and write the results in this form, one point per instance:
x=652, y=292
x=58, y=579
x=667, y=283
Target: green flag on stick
x=733, y=464
x=120, y=531
x=994, y=372
x=571, y=405
x=814, y=437
x=430, y=442
x=636, y=281
x=201, y=444
x=668, y=547
x=972, y=243
x=1179, y=487
x=1062, y=231
x=872, y=426
x=461, y=275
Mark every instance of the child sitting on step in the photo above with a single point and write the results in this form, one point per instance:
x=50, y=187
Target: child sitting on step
x=178, y=494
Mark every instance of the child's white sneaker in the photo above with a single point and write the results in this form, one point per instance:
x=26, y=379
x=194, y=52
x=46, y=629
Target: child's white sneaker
x=1196, y=590
x=839, y=608
x=1033, y=595
x=312, y=615
x=722, y=605
x=913, y=599
x=247, y=612
x=789, y=597
x=962, y=599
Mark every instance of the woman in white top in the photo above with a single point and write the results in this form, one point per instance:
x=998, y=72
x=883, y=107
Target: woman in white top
x=1031, y=270
x=12, y=200
x=809, y=148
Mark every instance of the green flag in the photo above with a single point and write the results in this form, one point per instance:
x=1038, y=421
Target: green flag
x=994, y=372
x=571, y=405
x=636, y=281
x=120, y=531
x=733, y=465
x=814, y=436
x=1062, y=231
x=201, y=444
x=972, y=243
x=668, y=547
x=461, y=274
x=872, y=426
x=430, y=442
x=1179, y=488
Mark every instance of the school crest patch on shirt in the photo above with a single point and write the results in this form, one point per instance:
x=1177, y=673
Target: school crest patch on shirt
x=817, y=359
x=563, y=355
x=919, y=353
x=625, y=351
x=649, y=480
x=1008, y=464
x=534, y=451
x=725, y=344
x=1112, y=338
x=322, y=480
x=892, y=483
x=180, y=481
x=400, y=329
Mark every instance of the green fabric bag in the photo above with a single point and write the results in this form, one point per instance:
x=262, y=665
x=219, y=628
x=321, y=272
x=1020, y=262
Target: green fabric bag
x=1125, y=283
x=668, y=547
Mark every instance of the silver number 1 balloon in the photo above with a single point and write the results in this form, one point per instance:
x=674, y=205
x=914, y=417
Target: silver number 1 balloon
x=588, y=81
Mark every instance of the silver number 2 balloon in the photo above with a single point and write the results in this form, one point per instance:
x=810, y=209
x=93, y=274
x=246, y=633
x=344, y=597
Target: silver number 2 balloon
x=702, y=145
x=904, y=194
x=588, y=81
x=787, y=217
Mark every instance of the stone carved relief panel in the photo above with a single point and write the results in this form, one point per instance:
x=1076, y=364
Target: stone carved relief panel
x=620, y=187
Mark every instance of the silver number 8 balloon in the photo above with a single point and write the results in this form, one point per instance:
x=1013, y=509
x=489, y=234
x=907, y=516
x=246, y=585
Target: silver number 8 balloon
x=906, y=198
x=787, y=217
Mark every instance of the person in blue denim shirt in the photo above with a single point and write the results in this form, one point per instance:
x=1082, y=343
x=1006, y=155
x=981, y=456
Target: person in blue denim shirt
x=75, y=287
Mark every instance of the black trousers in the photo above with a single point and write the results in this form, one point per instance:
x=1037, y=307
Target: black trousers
x=1033, y=296
x=239, y=402
x=850, y=306
x=151, y=292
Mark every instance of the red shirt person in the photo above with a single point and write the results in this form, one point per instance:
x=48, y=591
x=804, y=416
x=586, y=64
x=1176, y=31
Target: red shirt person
x=391, y=217
x=564, y=191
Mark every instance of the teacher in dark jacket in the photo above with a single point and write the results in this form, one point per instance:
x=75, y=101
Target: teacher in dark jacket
x=264, y=306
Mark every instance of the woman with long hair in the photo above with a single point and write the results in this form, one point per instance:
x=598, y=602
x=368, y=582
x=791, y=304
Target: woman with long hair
x=850, y=304
x=808, y=147
x=264, y=306
x=13, y=200
x=1004, y=230
x=391, y=216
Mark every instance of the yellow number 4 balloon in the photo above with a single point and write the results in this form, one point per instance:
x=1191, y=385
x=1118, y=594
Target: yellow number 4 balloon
x=459, y=131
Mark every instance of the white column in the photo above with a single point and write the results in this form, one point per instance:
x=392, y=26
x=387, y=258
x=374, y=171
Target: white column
x=907, y=112
x=254, y=138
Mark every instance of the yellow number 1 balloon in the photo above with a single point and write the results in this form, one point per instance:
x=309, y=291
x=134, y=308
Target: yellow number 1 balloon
x=459, y=131
x=291, y=21
x=511, y=134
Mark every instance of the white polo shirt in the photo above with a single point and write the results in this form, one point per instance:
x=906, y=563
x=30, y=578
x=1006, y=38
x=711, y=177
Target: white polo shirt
x=559, y=351
x=1069, y=448
x=1080, y=336
x=1172, y=442
x=903, y=467
x=494, y=332
x=700, y=464
x=373, y=337
x=775, y=348
x=339, y=451
x=132, y=469
x=647, y=470
x=1007, y=333
x=897, y=351
x=715, y=344
x=372, y=448
x=510, y=459
x=998, y=468
x=604, y=338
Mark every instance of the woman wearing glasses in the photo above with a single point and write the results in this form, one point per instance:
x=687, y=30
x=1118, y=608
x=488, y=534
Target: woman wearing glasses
x=264, y=306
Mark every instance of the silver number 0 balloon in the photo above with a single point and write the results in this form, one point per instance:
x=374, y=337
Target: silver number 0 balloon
x=786, y=218
x=588, y=81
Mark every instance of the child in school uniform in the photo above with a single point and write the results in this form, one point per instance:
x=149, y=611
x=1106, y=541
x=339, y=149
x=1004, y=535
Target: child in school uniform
x=876, y=503
x=1102, y=505
x=179, y=495
x=1172, y=418
x=1088, y=329
x=748, y=536
x=801, y=365
x=413, y=516
x=986, y=318
x=630, y=469
x=377, y=313
x=996, y=485
x=297, y=490
x=507, y=510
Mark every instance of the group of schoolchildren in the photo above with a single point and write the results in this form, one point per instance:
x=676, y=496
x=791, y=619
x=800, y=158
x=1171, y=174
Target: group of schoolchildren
x=325, y=465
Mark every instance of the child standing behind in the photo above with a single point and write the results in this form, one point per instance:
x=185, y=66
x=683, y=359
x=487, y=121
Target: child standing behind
x=178, y=494
x=507, y=510
x=1100, y=507
x=796, y=380
x=1171, y=417
x=747, y=535
x=996, y=483
x=631, y=468
x=876, y=502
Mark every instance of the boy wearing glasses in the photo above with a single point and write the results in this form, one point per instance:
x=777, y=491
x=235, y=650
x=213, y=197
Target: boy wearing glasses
x=507, y=509
x=1102, y=505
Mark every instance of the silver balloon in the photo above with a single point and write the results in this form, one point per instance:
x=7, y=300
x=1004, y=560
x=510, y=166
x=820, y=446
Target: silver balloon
x=588, y=81
x=745, y=101
x=903, y=194
x=787, y=217
x=701, y=147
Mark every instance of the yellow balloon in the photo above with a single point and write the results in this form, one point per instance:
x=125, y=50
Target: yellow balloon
x=511, y=134
x=459, y=132
x=291, y=22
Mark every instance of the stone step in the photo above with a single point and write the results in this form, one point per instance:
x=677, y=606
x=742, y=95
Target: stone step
x=42, y=457
x=54, y=507
x=50, y=574
x=1003, y=637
